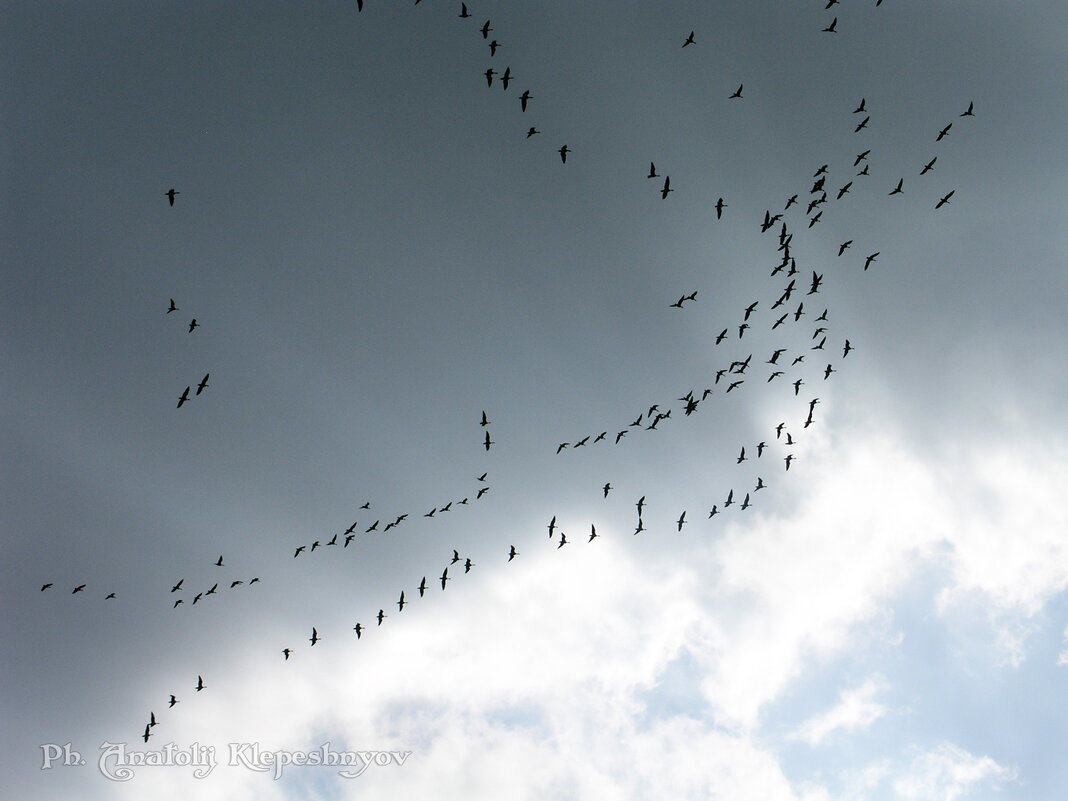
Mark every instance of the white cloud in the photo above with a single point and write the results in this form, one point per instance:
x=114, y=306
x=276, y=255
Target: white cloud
x=949, y=772
x=856, y=709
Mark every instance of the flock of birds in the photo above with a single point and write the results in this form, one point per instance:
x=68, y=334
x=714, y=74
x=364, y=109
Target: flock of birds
x=799, y=356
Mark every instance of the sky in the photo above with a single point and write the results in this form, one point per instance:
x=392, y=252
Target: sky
x=377, y=254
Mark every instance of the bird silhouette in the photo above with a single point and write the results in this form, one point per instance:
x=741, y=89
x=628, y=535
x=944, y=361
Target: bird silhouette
x=689, y=40
x=832, y=27
x=172, y=307
x=943, y=132
x=945, y=199
x=184, y=397
x=737, y=92
x=563, y=153
x=203, y=383
x=170, y=193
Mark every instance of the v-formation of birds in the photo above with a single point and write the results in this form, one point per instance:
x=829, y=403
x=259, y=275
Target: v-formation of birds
x=771, y=311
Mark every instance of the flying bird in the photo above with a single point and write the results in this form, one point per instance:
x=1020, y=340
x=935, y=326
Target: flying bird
x=523, y=98
x=170, y=193
x=945, y=200
x=172, y=307
x=868, y=261
x=689, y=40
x=563, y=153
x=831, y=28
x=203, y=383
x=512, y=553
x=200, y=681
x=667, y=188
x=863, y=124
x=969, y=113
x=897, y=189
x=943, y=132
x=737, y=92
x=486, y=30
x=488, y=441
x=928, y=166
x=720, y=206
x=184, y=397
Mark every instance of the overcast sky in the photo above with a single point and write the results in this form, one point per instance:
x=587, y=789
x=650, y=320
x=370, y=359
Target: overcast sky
x=376, y=252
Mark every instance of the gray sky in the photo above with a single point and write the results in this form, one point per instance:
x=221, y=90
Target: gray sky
x=375, y=253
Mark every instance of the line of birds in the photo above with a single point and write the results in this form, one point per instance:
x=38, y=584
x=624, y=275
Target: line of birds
x=734, y=372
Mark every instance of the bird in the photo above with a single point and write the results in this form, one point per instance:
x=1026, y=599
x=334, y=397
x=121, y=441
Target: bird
x=969, y=112
x=842, y=248
x=860, y=109
x=464, y=13
x=444, y=577
x=170, y=193
x=720, y=206
x=760, y=484
x=863, y=124
x=512, y=553
x=641, y=505
x=486, y=30
x=203, y=383
x=816, y=280
x=552, y=526
x=109, y=595
x=359, y=5
x=146, y=734
x=563, y=153
x=200, y=681
x=184, y=397
x=714, y=512
x=485, y=421
x=689, y=40
x=506, y=77
x=606, y=489
x=214, y=587
x=79, y=588
x=730, y=499
x=468, y=564
x=827, y=372
x=489, y=76
x=561, y=446
x=297, y=553
x=928, y=166
x=681, y=520
x=846, y=348
x=45, y=586
x=737, y=92
x=523, y=98
x=286, y=652
x=897, y=189
x=593, y=533
x=381, y=616
x=563, y=541
x=789, y=458
x=358, y=629
x=455, y=557
x=741, y=456
x=868, y=261
x=861, y=157
x=219, y=562
x=745, y=502
x=667, y=188
x=532, y=131
x=760, y=448
x=493, y=48
x=172, y=702
x=843, y=190
x=193, y=324
x=945, y=200
x=235, y=582
x=172, y=307
x=422, y=586
x=400, y=603
x=831, y=28
x=943, y=132
x=488, y=441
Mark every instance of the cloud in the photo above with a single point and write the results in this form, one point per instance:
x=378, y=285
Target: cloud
x=949, y=772
x=856, y=709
